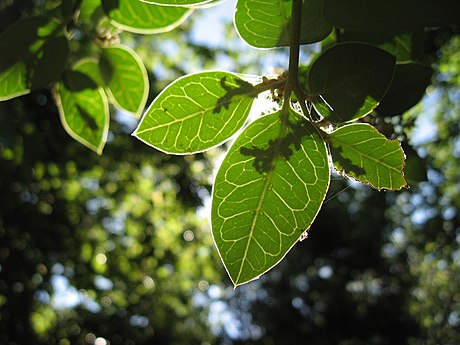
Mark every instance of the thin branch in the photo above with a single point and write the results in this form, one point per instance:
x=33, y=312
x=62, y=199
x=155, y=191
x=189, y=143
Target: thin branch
x=294, y=49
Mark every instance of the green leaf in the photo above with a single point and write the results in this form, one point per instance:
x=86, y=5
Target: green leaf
x=181, y=3
x=13, y=82
x=33, y=55
x=52, y=62
x=391, y=15
x=197, y=112
x=17, y=39
x=363, y=153
x=348, y=80
x=90, y=11
x=126, y=78
x=407, y=89
x=83, y=109
x=144, y=18
x=266, y=23
x=122, y=75
x=267, y=193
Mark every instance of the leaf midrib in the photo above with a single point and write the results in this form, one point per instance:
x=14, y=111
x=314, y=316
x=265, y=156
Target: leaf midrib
x=264, y=191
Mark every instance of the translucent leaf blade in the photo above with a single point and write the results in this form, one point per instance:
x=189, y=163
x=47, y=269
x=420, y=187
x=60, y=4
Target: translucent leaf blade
x=185, y=3
x=266, y=23
x=196, y=112
x=348, y=80
x=83, y=109
x=267, y=192
x=125, y=78
x=363, y=153
x=14, y=82
x=144, y=18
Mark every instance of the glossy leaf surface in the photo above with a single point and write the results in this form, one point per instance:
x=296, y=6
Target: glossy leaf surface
x=197, y=112
x=266, y=23
x=267, y=192
x=360, y=151
x=83, y=109
x=348, y=80
x=144, y=18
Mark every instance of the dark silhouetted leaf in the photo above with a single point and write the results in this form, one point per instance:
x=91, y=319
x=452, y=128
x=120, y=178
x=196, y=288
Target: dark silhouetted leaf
x=348, y=80
x=407, y=88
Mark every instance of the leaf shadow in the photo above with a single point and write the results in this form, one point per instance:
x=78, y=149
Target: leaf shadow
x=243, y=88
x=282, y=147
x=77, y=81
x=87, y=118
x=347, y=166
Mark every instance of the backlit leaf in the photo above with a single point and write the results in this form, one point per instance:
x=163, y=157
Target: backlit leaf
x=20, y=45
x=185, y=3
x=267, y=193
x=363, y=153
x=126, y=79
x=348, y=80
x=266, y=23
x=83, y=109
x=142, y=17
x=197, y=112
x=14, y=82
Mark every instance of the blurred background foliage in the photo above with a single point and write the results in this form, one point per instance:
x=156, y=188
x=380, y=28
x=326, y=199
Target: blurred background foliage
x=116, y=249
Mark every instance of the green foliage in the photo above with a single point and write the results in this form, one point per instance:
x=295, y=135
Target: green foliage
x=267, y=192
x=348, y=80
x=197, y=112
x=360, y=151
x=142, y=17
x=275, y=177
x=84, y=109
x=252, y=17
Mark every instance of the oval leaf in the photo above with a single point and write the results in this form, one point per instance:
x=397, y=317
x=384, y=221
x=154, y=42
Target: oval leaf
x=197, y=112
x=125, y=78
x=407, y=88
x=144, y=18
x=363, y=153
x=267, y=193
x=266, y=23
x=83, y=109
x=348, y=80
x=181, y=3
